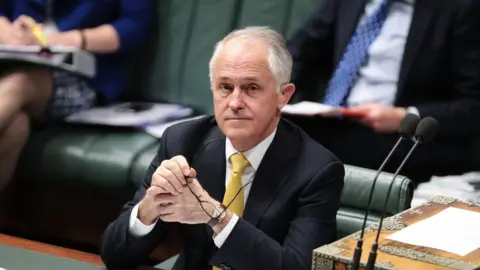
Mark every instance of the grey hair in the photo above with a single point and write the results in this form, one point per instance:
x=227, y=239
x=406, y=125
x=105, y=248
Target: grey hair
x=279, y=58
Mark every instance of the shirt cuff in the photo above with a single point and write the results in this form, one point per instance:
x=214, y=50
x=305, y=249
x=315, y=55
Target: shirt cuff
x=136, y=227
x=223, y=235
x=413, y=110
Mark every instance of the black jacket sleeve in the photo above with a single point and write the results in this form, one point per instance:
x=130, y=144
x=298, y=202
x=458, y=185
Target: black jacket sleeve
x=460, y=115
x=312, y=48
x=247, y=247
x=121, y=250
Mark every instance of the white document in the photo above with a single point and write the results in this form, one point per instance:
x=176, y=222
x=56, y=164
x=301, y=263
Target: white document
x=158, y=130
x=309, y=108
x=453, y=230
x=126, y=114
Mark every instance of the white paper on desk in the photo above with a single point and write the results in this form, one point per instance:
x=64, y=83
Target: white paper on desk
x=453, y=230
x=308, y=108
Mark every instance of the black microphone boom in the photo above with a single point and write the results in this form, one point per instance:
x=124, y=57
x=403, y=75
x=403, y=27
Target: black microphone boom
x=407, y=127
x=426, y=130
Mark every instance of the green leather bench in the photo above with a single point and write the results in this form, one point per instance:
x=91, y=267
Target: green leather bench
x=73, y=180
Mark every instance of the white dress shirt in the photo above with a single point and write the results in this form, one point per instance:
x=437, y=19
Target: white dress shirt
x=378, y=77
x=254, y=156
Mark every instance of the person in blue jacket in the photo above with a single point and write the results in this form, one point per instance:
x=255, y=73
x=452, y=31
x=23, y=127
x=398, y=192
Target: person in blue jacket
x=110, y=29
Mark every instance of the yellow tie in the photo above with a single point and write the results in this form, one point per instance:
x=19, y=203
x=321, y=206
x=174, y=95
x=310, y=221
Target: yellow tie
x=239, y=163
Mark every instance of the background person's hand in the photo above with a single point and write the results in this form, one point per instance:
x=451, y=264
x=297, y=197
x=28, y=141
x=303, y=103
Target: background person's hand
x=381, y=118
x=169, y=178
x=22, y=31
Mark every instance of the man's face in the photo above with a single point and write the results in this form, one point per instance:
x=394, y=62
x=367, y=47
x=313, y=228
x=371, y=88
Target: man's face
x=247, y=105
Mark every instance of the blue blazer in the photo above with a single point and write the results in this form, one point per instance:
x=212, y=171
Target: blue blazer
x=130, y=18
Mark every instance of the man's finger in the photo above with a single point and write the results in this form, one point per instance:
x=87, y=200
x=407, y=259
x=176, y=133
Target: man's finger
x=25, y=22
x=166, y=209
x=193, y=173
x=196, y=188
x=169, y=176
x=182, y=162
x=160, y=181
x=174, y=167
x=153, y=191
x=165, y=198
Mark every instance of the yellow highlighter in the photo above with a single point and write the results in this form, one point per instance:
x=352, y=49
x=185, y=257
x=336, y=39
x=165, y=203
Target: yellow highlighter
x=37, y=32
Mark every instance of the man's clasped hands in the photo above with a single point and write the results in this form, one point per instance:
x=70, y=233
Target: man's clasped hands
x=171, y=200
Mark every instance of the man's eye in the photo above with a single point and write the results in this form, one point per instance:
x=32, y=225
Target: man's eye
x=253, y=87
x=225, y=87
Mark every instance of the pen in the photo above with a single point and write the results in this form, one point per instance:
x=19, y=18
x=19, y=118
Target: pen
x=37, y=32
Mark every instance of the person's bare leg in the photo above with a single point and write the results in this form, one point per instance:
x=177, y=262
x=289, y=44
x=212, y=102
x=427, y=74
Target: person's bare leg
x=24, y=90
x=24, y=96
x=12, y=142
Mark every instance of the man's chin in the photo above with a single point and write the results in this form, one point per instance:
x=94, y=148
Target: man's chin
x=235, y=132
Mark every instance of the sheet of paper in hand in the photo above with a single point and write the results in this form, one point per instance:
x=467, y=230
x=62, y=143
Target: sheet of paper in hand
x=308, y=108
x=66, y=58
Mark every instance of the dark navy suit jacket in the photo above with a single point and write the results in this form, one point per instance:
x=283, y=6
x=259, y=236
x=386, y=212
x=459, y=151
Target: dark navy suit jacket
x=290, y=210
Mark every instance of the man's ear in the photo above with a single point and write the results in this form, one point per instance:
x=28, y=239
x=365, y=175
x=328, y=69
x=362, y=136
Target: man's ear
x=286, y=93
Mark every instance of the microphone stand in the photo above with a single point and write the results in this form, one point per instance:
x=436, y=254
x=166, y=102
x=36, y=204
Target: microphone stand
x=373, y=252
x=358, y=250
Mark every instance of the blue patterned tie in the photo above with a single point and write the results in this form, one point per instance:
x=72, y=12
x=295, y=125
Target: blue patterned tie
x=354, y=56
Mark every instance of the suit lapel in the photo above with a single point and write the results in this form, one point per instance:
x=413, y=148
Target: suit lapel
x=422, y=15
x=350, y=12
x=272, y=173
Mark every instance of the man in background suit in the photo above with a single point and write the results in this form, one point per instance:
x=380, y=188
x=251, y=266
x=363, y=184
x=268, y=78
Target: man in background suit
x=386, y=58
x=266, y=194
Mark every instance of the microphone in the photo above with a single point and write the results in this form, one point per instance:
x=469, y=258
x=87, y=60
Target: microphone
x=406, y=130
x=426, y=131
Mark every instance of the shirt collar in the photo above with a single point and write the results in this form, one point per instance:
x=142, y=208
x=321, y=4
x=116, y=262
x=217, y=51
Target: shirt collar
x=254, y=155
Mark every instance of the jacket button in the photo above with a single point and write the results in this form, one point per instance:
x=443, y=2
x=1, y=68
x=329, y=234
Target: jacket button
x=224, y=267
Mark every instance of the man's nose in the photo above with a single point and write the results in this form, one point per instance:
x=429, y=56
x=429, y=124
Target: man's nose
x=236, y=100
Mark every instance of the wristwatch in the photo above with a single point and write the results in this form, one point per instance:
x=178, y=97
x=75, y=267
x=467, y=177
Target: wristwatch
x=218, y=215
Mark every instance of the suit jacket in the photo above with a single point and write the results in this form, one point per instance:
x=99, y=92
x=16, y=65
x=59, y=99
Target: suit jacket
x=290, y=210
x=440, y=70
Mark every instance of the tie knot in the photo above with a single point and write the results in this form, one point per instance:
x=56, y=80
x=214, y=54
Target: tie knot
x=239, y=162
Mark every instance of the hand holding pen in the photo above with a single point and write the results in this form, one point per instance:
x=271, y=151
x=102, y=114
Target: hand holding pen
x=28, y=32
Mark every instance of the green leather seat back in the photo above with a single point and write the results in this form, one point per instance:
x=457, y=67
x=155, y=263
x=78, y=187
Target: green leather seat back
x=272, y=13
x=84, y=157
x=358, y=182
x=354, y=198
x=173, y=66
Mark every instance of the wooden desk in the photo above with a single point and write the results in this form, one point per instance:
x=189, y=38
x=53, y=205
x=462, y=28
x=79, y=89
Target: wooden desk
x=396, y=255
x=50, y=249
x=93, y=260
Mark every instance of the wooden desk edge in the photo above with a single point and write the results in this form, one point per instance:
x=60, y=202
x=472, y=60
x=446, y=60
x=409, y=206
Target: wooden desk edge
x=50, y=249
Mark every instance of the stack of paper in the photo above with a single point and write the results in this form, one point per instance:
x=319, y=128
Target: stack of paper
x=453, y=230
x=131, y=114
x=464, y=187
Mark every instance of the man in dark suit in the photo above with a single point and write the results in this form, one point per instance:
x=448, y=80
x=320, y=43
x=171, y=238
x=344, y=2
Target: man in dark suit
x=266, y=193
x=386, y=58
